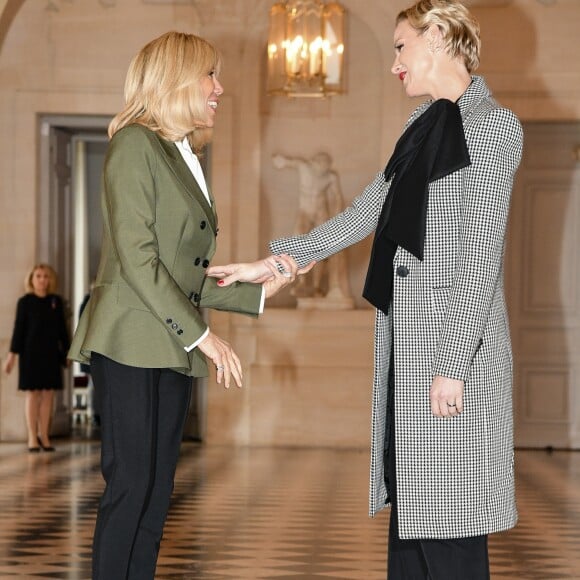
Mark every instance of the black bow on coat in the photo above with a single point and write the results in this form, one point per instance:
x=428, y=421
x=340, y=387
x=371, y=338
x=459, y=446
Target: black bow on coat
x=432, y=147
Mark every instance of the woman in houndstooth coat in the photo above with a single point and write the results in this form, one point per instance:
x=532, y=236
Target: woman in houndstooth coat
x=441, y=314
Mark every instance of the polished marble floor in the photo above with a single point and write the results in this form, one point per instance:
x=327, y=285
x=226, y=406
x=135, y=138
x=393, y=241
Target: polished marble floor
x=261, y=513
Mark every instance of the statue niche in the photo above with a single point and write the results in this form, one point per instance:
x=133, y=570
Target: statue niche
x=319, y=198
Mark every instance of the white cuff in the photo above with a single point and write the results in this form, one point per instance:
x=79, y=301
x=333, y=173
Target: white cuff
x=262, y=301
x=192, y=346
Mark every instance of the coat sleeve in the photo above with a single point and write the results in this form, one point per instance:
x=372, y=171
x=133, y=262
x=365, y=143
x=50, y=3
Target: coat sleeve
x=63, y=335
x=495, y=152
x=130, y=206
x=352, y=225
x=19, y=332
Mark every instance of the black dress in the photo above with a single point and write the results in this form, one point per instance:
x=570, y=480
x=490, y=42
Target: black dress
x=41, y=340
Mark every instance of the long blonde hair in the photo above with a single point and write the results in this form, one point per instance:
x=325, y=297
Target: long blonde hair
x=52, y=285
x=163, y=89
x=459, y=28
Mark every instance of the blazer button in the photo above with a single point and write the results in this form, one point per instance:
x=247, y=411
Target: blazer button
x=180, y=331
x=169, y=321
x=402, y=271
x=197, y=261
x=202, y=224
x=196, y=297
x=205, y=263
x=174, y=326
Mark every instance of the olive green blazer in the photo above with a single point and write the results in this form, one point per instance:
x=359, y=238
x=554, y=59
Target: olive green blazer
x=159, y=236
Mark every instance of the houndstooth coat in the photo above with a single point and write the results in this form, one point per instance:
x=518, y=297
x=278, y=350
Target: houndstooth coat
x=455, y=477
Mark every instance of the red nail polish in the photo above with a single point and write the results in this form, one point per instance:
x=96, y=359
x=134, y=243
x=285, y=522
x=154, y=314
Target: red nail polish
x=220, y=282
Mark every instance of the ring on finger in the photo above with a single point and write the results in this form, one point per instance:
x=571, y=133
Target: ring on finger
x=220, y=367
x=451, y=406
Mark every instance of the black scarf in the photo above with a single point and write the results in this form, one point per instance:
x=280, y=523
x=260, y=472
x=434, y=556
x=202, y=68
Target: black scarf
x=432, y=147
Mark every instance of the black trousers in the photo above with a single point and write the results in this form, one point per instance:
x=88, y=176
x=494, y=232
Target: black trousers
x=143, y=413
x=452, y=559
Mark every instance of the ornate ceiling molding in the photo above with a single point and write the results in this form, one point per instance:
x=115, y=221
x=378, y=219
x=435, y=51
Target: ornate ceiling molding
x=235, y=9
x=56, y=5
x=497, y=3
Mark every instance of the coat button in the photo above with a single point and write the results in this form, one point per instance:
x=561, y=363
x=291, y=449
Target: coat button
x=402, y=271
x=180, y=331
x=205, y=263
x=169, y=321
x=197, y=261
x=196, y=297
x=174, y=326
x=202, y=224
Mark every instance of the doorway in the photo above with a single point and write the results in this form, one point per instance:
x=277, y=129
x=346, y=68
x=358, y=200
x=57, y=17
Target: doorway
x=72, y=155
x=543, y=287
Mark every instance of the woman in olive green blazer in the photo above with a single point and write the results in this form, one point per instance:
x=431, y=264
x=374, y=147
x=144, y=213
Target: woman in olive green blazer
x=142, y=330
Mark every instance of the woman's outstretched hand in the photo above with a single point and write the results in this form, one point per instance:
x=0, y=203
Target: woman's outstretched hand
x=256, y=272
x=224, y=358
x=283, y=271
x=274, y=272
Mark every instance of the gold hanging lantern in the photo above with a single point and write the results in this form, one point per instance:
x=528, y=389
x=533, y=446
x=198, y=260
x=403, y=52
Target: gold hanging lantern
x=306, y=48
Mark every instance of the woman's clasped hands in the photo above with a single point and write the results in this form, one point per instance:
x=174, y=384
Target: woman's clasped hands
x=274, y=273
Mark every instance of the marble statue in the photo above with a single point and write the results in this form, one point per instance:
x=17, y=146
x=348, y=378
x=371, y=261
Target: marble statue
x=319, y=198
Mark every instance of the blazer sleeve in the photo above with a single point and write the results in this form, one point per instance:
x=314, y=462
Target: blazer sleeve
x=352, y=225
x=495, y=151
x=130, y=204
x=240, y=297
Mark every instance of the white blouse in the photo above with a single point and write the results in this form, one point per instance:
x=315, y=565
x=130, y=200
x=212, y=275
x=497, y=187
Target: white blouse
x=194, y=165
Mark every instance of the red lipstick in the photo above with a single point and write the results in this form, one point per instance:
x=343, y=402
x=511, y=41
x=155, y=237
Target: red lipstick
x=402, y=75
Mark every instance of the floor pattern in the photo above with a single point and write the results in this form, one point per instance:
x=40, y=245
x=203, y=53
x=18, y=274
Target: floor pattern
x=264, y=513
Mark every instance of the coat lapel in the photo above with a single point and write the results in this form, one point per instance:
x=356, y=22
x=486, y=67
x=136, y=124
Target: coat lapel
x=213, y=206
x=184, y=175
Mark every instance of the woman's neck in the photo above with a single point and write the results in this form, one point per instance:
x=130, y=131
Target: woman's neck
x=454, y=82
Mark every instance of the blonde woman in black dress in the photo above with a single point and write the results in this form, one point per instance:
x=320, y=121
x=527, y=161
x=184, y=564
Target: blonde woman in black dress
x=41, y=340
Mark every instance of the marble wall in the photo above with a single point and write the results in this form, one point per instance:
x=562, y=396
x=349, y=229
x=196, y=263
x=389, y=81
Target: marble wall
x=70, y=57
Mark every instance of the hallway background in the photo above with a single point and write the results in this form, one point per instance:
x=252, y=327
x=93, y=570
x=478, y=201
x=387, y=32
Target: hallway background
x=63, y=59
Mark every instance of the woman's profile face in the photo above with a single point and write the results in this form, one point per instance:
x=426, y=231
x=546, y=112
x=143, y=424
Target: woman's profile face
x=40, y=281
x=211, y=89
x=414, y=62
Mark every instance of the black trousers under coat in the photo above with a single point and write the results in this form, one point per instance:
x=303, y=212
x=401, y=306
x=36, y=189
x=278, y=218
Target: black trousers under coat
x=143, y=413
x=427, y=559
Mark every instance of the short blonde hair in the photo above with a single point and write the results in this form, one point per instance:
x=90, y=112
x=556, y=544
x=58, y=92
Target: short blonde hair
x=163, y=89
x=459, y=28
x=52, y=285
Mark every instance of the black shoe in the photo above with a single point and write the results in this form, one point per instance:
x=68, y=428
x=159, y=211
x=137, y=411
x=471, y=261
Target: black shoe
x=33, y=449
x=43, y=447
